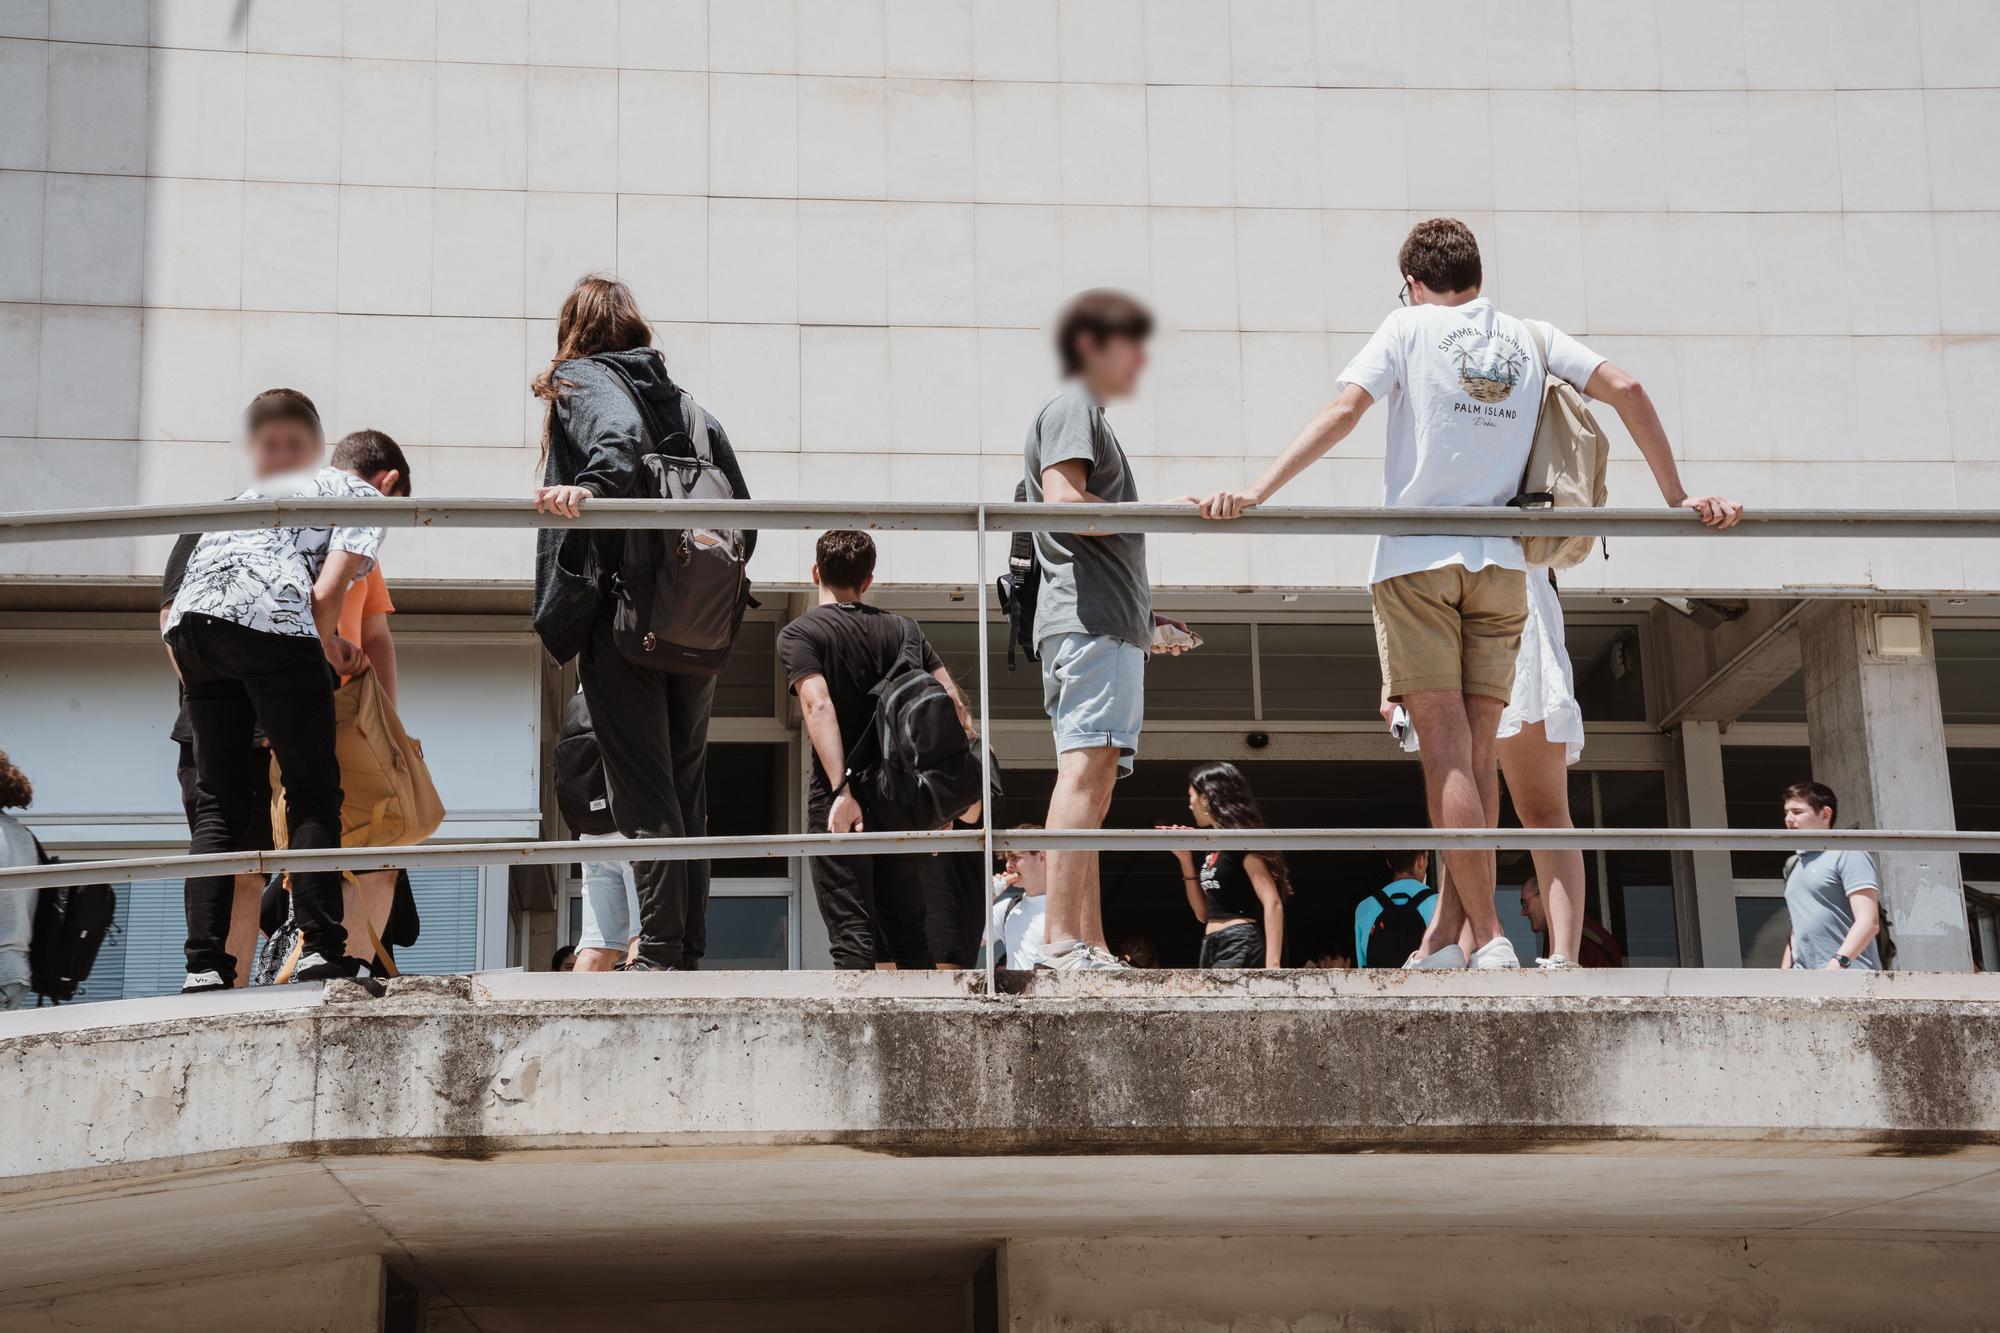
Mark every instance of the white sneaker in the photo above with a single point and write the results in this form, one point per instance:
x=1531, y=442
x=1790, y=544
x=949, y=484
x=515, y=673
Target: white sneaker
x=1557, y=963
x=1076, y=956
x=1495, y=954
x=1449, y=956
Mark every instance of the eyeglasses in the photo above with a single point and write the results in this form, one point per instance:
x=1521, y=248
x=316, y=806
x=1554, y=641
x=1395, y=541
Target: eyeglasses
x=1403, y=293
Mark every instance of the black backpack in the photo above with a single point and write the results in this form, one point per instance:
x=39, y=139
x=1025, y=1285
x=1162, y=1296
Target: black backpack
x=69, y=928
x=680, y=593
x=581, y=793
x=923, y=771
x=1020, y=588
x=1399, y=931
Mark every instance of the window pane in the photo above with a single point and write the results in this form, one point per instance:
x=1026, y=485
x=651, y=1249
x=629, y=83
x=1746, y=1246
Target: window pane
x=1213, y=681
x=1016, y=694
x=746, y=798
x=1967, y=684
x=1975, y=803
x=1763, y=925
x=1319, y=673
x=747, y=685
x=448, y=910
x=1609, y=683
x=748, y=933
x=1752, y=777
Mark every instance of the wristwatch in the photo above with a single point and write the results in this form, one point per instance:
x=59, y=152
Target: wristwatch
x=1843, y=960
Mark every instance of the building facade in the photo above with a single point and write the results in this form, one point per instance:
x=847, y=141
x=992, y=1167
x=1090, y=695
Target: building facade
x=851, y=220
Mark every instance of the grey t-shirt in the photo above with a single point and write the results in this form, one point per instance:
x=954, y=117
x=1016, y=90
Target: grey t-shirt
x=1090, y=585
x=1816, y=889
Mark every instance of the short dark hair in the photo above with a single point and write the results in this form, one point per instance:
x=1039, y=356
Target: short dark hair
x=1403, y=861
x=366, y=453
x=1815, y=794
x=1100, y=314
x=282, y=405
x=846, y=559
x=1442, y=254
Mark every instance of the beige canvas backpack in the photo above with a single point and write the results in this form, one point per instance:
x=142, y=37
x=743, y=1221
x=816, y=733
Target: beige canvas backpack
x=1566, y=463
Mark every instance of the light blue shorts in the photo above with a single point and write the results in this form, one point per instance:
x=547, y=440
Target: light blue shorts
x=610, y=903
x=1094, y=690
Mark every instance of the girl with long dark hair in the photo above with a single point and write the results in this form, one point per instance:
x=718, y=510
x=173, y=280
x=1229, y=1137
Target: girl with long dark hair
x=652, y=726
x=1238, y=896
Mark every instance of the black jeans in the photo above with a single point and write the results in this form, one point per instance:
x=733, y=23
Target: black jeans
x=1240, y=945
x=239, y=680
x=873, y=906
x=652, y=727
x=954, y=906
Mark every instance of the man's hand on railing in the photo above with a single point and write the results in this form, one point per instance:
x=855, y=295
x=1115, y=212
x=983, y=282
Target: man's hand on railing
x=566, y=501
x=1224, y=505
x=845, y=816
x=1715, y=511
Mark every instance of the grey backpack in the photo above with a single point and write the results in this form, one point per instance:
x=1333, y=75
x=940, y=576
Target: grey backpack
x=679, y=593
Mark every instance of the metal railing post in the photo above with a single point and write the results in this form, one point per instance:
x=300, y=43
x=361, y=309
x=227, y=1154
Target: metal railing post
x=985, y=746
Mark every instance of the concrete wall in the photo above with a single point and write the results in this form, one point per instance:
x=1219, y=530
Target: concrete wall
x=851, y=218
x=331, y=1296
x=925, y=1064
x=1442, y=1282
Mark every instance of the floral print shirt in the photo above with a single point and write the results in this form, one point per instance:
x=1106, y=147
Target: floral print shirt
x=262, y=578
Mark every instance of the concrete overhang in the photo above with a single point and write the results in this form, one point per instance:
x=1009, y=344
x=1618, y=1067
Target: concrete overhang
x=515, y=1140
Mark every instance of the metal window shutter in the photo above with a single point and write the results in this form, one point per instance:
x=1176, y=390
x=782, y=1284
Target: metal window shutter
x=448, y=905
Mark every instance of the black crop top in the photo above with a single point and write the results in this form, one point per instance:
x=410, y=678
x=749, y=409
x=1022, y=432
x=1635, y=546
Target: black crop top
x=1226, y=888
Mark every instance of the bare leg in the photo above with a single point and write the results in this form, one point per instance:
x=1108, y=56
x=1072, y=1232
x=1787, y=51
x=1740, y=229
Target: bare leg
x=245, y=910
x=1463, y=788
x=598, y=960
x=1447, y=922
x=1082, y=795
x=1538, y=780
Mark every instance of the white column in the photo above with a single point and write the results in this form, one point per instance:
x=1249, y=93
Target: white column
x=1714, y=876
x=1877, y=734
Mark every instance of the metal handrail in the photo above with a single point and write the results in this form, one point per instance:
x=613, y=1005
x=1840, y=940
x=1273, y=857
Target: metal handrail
x=154, y=520
x=363, y=859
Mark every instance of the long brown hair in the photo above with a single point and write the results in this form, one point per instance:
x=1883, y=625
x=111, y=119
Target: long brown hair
x=1233, y=805
x=600, y=314
x=16, y=792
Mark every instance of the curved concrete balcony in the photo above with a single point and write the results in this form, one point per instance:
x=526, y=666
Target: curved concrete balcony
x=514, y=1143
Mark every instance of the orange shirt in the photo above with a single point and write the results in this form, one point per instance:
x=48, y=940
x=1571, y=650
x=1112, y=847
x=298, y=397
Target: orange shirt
x=368, y=597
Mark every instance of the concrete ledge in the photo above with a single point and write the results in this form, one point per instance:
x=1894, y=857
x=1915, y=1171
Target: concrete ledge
x=927, y=1064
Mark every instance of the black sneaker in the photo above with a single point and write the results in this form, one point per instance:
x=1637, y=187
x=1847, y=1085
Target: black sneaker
x=200, y=983
x=317, y=967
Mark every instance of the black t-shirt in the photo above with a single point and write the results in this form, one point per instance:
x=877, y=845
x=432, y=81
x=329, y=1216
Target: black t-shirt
x=170, y=588
x=1226, y=887
x=855, y=646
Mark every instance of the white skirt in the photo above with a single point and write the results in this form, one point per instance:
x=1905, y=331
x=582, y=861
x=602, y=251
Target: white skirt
x=1544, y=681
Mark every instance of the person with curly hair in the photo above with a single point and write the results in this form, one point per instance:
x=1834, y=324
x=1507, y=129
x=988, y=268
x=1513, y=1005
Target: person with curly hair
x=1239, y=897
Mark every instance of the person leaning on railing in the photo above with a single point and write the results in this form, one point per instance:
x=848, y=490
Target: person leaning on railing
x=1464, y=384
x=656, y=755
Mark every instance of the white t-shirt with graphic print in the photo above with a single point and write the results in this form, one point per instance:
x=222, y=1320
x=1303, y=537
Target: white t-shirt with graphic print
x=1462, y=385
x=262, y=578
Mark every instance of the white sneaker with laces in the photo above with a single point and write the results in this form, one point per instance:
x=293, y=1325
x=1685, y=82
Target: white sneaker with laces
x=1103, y=960
x=1449, y=956
x=1494, y=955
x=1076, y=956
x=1557, y=963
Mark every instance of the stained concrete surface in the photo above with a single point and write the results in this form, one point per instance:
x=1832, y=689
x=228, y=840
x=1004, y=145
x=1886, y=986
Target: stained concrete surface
x=743, y=1154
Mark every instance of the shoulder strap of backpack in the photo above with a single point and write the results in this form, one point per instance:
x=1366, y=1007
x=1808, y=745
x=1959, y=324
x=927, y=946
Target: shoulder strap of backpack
x=1525, y=499
x=1417, y=900
x=697, y=428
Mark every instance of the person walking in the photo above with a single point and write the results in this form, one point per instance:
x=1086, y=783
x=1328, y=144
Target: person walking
x=254, y=635
x=834, y=656
x=654, y=724
x=1389, y=923
x=1834, y=898
x=278, y=444
x=1239, y=897
x=1094, y=620
x=1464, y=383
